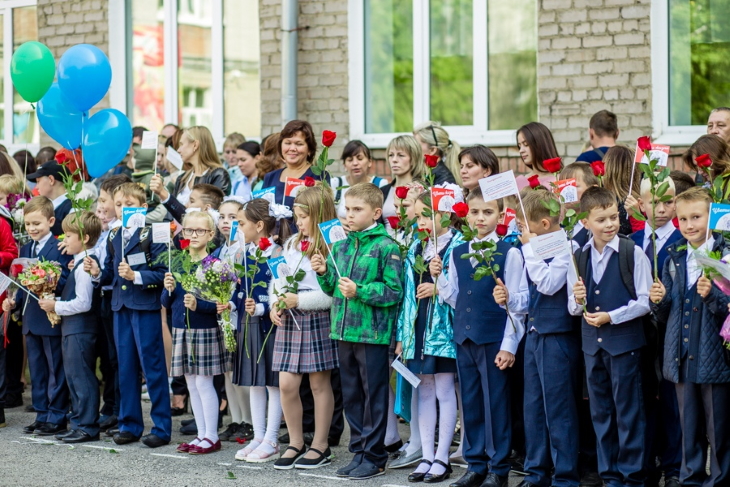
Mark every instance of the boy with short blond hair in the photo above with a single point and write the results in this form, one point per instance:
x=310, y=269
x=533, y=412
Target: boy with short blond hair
x=695, y=358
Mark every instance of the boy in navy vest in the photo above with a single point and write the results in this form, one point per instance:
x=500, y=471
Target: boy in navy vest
x=552, y=352
x=136, y=283
x=486, y=343
x=613, y=336
x=663, y=432
x=42, y=340
x=79, y=300
x=695, y=359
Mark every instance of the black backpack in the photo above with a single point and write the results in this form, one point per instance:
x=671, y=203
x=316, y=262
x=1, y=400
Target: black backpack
x=625, y=263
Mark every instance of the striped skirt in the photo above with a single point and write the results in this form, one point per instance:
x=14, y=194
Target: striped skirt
x=198, y=352
x=307, y=350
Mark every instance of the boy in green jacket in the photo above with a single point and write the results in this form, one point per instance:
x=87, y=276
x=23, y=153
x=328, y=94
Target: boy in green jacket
x=364, y=313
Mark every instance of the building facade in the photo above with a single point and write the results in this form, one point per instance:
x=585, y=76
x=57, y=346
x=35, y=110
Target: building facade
x=371, y=69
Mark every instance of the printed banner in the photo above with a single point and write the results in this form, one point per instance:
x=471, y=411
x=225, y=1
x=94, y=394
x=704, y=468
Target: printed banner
x=720, y=217
x=567, y=189
x=269, y=194
x=292, y=186
x=133, y=217
x=161, y=233
x=149, y=140
x=551, y=245
x=660, y=152
x=175, y=158
x=332, y=231
x=278, y=267
x=442, y=199
x=498, y=186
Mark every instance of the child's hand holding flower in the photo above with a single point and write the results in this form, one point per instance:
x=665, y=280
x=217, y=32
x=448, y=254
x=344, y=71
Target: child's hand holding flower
x=190, y=302
x=250, y=306
x=319, y=265
x=435, y=267
x=8, y=305
x=657, y=292
x=47, y=305
x=704, y=286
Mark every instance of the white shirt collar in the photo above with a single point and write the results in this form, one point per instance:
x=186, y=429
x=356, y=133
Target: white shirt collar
x=371, y=227
x=58, y=201
x=115, y=223
x=40, y=244
x=705, y=247
x=613, y=244
x=662, y=232
x=81, y=255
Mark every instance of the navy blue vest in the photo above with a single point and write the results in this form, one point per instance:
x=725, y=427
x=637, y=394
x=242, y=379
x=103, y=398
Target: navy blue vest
x=638, y=238
x=582, y=237
x=476, y=316
x=549, y=314
x=82, y=322
x=608, y=295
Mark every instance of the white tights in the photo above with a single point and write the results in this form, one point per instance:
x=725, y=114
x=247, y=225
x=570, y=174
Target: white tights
x=205, y=406
x=239, y=403
x=435, y=387
x=263, y=429
x=414, y=441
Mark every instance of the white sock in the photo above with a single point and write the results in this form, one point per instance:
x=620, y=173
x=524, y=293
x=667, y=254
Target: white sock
x=391, y=433
x=427, y=418
x=197, y=405
x=414, y=442
x=257, y=401
x=273, y=423
x=209, y=399
x=447, y=419
x=234, y=406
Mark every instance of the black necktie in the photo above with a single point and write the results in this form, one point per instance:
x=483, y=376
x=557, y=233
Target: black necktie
x=650, y=253
x=35, y=249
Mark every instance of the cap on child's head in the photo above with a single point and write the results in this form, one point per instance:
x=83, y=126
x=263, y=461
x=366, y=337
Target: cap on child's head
x=50, y=168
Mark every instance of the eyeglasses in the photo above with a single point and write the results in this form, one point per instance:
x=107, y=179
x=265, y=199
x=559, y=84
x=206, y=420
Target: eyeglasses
x=199, y=232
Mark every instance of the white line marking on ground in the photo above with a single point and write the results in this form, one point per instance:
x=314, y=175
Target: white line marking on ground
x=225, y=464
x=117, y=450
x=250, y=468
x=321, y=476
x=169, y=456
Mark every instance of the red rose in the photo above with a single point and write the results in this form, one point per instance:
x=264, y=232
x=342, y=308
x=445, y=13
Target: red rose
x=60, y=157
x=703, y=160
x=427, y=230
x=534, y=181
x=644, y=143
x=401, y=192
x=184, y=243
x=328, y=138
x=264, y=243
x=393, y=221
x=431, y=160
x=460, y=209
x=502, y=229
x=599, y=169
x=309, y=181
x=305, y=245
x=552, y=165
x=16, y=269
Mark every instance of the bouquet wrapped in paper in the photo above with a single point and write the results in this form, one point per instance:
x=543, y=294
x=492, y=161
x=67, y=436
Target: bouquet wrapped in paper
x=716, y=267
x=41, y=278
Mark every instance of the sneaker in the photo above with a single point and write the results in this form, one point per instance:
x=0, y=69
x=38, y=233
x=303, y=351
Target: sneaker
x=366, y=471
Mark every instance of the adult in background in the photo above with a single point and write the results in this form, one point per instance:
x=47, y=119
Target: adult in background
x=248, y=155
x=169, y=130
x=137, y=134
x=26, y=161
x=435, y=140
x=357, y=161
x=719, y=123
x=44, y=155
x=230, y=159
x=536, y=144
x=270, y=160
x=476, y=162
x=405, y=158
x=602, y=134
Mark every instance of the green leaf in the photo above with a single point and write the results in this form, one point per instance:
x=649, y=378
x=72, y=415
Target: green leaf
x=662, y=189
x=570, y=213
x=445, y=221
x=112, y=450
x=230, y=475
x=316, y=170
x=481, y=272
x=495, y=267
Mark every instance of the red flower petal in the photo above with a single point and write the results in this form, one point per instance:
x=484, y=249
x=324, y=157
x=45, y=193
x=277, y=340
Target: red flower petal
x=328, y=138
x=309, y=181
x=264, y=243
x=599, y=168
x=460, y=209
x=703, y=160
x=534, y=181
x=393, y=221
x=305, y=245
x=502, y=229
x=644, y=143
x=184, y=243
x=552, y=165
x=431, y=160
x=401, y=192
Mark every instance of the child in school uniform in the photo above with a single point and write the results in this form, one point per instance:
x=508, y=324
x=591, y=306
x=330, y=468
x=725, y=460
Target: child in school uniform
x=425, y=338
x=613, y=336
x=486, y=343
x=49, y=183
x=663, y=432
x=136, y=281
x=552, y=352
x=43, y=341
x=254, y=355
x=584, y=179
x=365, y=309
x=303, y=344
x=695, y=359
x=197, y=351
x=79, y=299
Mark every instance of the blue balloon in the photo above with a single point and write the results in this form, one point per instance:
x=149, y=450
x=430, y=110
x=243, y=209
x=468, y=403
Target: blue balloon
x=107, y=139
x=60, y=119
x=84, y=75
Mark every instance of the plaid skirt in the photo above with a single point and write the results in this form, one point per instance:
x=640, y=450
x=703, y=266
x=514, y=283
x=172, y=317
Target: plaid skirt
x=307, y=350
x=198, y=352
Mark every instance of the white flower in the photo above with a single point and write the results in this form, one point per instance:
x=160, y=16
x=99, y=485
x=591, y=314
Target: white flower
x=279, y=211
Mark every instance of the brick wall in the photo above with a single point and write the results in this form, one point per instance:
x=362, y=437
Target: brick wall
x=322, y=65
x=593, y=55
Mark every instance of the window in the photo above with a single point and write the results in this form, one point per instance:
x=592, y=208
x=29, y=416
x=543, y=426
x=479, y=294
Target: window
x=471, y=65
x=690, y=60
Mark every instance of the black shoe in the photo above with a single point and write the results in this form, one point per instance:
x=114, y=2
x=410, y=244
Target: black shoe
x=180, y=411
x=284, y=438
x=435, y=479
x=154, y=441
x=28, y=430
x=189, y=429
x=494, y=480
x=13, y=401
x=394, y=447
x=333, y=441
x=366, y=470
x=288, y=463
x=244, y=431
x=418, y=476
x=79, y=436
x=2, y=418
x=109, y=422
x=671, y=482
x=64, y=434
x=324, y=458
x=124, y=437
x=29, y=408
x=50, y=429
x=469, y=479
x=308, y=438
x=228, y=434
x=112, y=431
x=186, y=422
x=591, y=479
x=345, y=471
x=517, y=463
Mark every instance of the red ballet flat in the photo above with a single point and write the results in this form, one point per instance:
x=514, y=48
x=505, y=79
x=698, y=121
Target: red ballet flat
x=185, y=447
x=200, y=450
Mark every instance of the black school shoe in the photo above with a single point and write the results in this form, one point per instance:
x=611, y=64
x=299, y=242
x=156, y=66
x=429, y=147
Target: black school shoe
x=154, y=441
x=366, y=470
x=324, y=458
x=124, y=437
x=13, y=401
x=110, y=422
x=288, y=463
x=79, y=436
x=228, y=434
x=354, y=463
x=50, y=429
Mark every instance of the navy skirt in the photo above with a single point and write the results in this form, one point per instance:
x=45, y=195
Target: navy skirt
x=251, y=367
x=427, y=364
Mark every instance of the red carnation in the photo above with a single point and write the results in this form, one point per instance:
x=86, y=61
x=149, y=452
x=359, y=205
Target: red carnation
x=431, y=160
x=328, y=138
x=552, y=165
x=305, y=245
x=703, y=160
x=599, y=169
x=502, y=229
x=534, y=181
x=401, y=192
x=644, y=143
x=309, y=181
x=16, y=269
x=184, y=243
x=460, y=209
x=393, y=221
x=264, y=243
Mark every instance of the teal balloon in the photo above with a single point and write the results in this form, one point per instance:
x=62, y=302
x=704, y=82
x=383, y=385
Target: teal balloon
x=107, y=139
x=84, y=75
x=32, y=69
x=61, y=120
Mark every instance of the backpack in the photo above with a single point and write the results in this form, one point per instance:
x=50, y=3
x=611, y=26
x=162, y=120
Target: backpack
x=625, y=263
x=145, y=241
